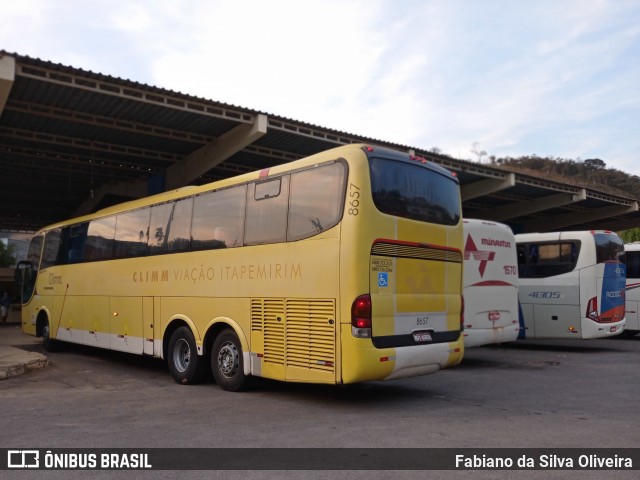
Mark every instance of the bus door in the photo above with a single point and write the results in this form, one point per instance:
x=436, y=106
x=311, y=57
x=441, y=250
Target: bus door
x=96, y=331
x=127, y=330
x=148, y=322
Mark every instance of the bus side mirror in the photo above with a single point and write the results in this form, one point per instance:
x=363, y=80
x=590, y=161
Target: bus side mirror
x=23, y=269
x=25, y=279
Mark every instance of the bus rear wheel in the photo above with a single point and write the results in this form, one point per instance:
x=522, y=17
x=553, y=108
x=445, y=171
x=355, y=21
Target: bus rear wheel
x=227, y=363
x=185, y=365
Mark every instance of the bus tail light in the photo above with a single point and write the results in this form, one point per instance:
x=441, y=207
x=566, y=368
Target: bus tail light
x=592, y=310
x=361, y=316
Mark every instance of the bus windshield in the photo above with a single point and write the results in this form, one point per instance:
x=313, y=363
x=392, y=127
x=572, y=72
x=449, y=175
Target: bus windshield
x=609, y=248
x=414, y=192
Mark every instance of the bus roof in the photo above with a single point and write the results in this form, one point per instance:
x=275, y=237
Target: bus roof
x=187, y=191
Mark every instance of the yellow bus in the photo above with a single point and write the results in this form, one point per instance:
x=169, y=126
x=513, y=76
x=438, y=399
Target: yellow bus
x=342, y=267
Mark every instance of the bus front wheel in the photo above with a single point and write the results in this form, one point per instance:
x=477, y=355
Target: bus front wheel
x=227, y=363
x=49, y=344
x=185, y=365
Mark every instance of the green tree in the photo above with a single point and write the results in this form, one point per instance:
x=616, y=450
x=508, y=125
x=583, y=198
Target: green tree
x=629, y=236
x=593, y=164
x=7, y=255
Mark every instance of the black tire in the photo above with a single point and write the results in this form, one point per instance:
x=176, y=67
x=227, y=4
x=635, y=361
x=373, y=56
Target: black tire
x=49, y=344
x=227, y=363
x=629, y=333
x=186, y=367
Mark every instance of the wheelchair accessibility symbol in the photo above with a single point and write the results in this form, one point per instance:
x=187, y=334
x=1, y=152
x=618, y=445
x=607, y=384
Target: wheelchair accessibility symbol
x=383, y=279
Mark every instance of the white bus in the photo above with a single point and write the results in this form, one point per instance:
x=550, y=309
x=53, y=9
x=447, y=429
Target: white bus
x=490, y=283
x=632, y=256
x=572, y=284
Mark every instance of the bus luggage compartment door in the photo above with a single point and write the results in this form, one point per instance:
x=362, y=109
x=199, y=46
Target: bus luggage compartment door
x=126, y=324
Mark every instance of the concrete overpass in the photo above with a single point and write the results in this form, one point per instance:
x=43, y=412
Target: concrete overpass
x=73, y=141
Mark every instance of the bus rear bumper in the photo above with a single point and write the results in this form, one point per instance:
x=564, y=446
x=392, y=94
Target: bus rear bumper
x=591, y=329
x=419, y=360
x=362, y=362
x=474, y=337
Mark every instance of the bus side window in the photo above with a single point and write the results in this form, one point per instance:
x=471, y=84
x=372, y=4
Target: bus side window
x=100, y=239
x=74, y=255
x=218, y=218
x=158, y=228
x=179, y=226
x=267, y=204
x=51, y=248
x=633, y=264
x=226, y=235
x=77, y=236
x=522, y=261
x=316, y=200
x=132, y=234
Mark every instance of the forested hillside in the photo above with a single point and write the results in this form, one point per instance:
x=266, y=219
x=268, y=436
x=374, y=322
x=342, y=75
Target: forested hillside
x=591, y=172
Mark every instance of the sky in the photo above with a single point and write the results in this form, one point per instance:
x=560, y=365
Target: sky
x=471, y=78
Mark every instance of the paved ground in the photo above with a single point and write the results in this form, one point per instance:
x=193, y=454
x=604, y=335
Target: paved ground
x=532, y=394
x=14, y=358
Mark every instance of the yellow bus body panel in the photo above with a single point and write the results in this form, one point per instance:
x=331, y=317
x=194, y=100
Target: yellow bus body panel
x=290, y=303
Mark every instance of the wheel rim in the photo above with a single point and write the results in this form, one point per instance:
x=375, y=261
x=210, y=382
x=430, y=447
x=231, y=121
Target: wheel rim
x=181, y=355
x=228, y=359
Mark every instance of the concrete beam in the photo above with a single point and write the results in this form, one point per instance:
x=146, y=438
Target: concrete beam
x=487, y=187
x=514, y=210
x=561, y=222
x=7, y=77
x=621, y=224
x=207, y=157
x=137, y=189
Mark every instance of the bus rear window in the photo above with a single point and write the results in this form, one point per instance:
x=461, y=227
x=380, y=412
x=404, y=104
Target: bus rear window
x=609, y=248
x=415, y=192
x=633, y=264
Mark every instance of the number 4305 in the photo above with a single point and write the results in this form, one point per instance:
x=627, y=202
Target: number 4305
x=545, y=295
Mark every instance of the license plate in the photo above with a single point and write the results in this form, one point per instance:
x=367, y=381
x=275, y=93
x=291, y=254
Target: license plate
x=613, y=329
x=422, y=337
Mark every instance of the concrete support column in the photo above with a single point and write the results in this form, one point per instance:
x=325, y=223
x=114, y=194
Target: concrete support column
x=7, y=76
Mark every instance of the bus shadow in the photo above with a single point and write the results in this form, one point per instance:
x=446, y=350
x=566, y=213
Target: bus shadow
x=86, y=354
x=360, y=395
x=483, y=364
x=357, y=395
x=576, y=346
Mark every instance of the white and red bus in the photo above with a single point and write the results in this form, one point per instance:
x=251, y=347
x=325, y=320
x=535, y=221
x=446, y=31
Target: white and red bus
x=572, y=284
x=490, y=283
